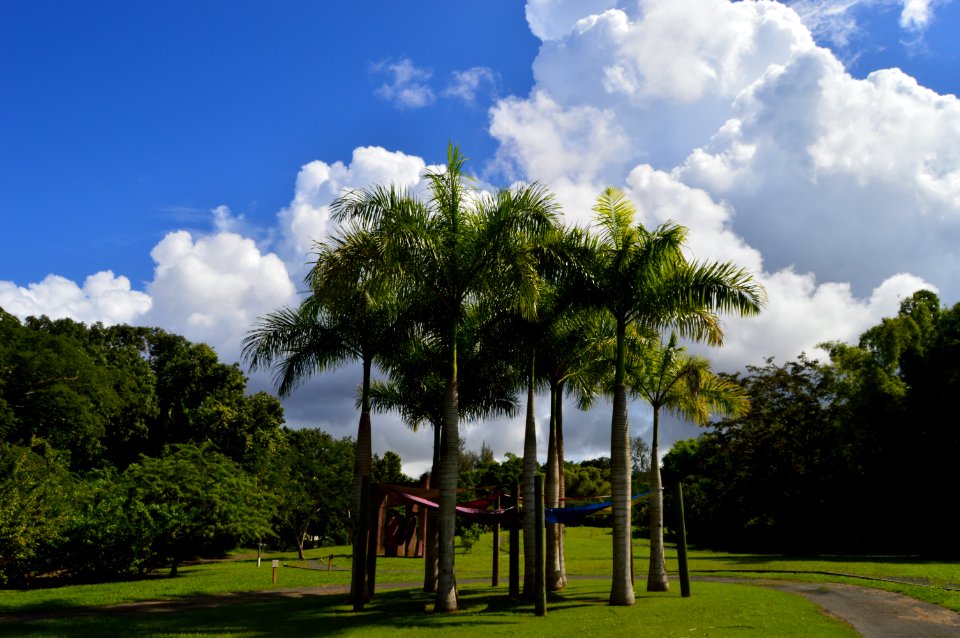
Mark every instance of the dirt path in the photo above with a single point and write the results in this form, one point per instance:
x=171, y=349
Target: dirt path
x=874, y=613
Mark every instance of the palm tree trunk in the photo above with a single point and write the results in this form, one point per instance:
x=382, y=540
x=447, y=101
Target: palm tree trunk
x=529, y=475
x=657, y=576
x=430, y=538
x=446, y=599
x=363, y=461
x=562, y=491
x=554, y=580
x=621, y=591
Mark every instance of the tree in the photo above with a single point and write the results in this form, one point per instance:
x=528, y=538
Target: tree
x=198, y=502
x=456, y=248
x=415, y=389
x=314, y=484
x=37, y=503
x=568, y=366
x=351, y=314
x=666, y=378
x=644, y=281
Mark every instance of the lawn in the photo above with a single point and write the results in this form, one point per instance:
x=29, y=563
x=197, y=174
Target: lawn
x=714, y=609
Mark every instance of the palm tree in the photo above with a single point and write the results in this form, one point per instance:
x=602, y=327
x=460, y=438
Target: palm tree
x=456, y=248
x=567, y=367
x=562, y=347
x=644, y=280
x=350, y=315
x=666, y=378
x=415, y=390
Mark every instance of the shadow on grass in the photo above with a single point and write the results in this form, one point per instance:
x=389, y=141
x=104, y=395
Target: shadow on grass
x=299, y=615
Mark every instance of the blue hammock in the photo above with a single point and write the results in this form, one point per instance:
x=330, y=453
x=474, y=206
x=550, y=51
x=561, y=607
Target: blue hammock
x=573, y=515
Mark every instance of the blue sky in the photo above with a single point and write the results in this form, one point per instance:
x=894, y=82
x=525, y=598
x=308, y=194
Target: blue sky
x=121, y=121
x=169, y=163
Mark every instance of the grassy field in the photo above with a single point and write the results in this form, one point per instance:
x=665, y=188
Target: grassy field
x=714, y=609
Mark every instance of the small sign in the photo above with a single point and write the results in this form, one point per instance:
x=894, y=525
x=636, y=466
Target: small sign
x=276, y=564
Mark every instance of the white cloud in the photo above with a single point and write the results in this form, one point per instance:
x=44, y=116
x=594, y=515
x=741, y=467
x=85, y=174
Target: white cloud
x=408, y=86
x=553, y=19
x=305, y=220
x=104, y=297
x=836, y=21
x=802, y=313
x=465, y=85
x=212, y=289
x=916, y=14
x=542, y=140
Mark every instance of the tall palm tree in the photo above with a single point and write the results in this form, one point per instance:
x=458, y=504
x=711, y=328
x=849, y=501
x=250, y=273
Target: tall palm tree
x=455, y=248
x=415, y=390
x=351, y=314
x=644, y=280
x=562, y=346
x=667, y=378
x=567, y=366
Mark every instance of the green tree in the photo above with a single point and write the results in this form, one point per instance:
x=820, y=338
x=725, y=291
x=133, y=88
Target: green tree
x=644, y=281
x=37, y=503
x=666, y=378
x=455, y=248
x=198, y=503
x=314, y=487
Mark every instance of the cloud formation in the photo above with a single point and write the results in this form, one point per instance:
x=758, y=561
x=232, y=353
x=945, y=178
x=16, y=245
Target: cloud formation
x=407, y=87
x=466, y=85
x=104, y=297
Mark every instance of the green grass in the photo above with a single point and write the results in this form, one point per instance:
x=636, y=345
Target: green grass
x=727, y=610
x=715, y=608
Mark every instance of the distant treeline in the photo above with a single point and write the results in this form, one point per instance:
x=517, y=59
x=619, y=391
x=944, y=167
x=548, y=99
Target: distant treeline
x=858, y=454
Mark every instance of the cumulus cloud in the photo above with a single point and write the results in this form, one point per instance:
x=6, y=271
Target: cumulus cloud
x=305, y=220
x=213, y=288
x=104, y=297
x=407, y=87
x=553, y=19
x=751, y=134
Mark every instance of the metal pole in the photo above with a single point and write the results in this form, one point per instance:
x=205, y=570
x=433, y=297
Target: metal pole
x=495, y=579
x=682, y=545
x=515, y=545
x=540, y=580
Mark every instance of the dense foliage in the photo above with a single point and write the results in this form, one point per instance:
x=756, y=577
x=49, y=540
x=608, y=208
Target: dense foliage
x=125, y=449
x=852, y=455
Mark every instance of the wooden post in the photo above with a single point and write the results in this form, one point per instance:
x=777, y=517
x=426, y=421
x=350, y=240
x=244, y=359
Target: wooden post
x=682, y=545
x=540, y=577
x=358, y=590
x=495, y=579
x=276, y=565
x=515, y=545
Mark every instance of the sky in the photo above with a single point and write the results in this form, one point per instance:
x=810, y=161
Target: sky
x=171, y=164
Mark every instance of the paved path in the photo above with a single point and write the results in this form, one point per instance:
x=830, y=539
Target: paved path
x=875, y=613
